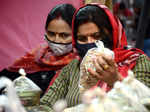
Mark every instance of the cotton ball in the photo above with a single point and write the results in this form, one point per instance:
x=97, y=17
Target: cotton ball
x=60, y=105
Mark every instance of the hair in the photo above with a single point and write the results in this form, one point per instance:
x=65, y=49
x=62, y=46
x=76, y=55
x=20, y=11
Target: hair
x=95, y=14
x=65, y=11
x=122, y=6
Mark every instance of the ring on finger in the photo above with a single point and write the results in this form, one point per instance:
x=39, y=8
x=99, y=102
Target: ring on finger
x=106, y=67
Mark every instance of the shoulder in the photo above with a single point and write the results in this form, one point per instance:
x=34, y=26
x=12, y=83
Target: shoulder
x=73, y=64
x=142, y=70
x=143, y=59
x=71, y=69
x=142, y=64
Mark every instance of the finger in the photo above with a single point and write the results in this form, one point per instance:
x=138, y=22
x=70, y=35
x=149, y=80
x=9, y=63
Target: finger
x=99, y=69
x=103, y=63
x=101, y=60
x=109, y=61
x=94, y=74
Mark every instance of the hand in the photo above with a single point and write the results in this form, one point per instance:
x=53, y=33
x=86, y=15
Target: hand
x=106, y=69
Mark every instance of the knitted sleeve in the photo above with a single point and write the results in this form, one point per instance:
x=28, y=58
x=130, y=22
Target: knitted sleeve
x=142, y=70
x=59, y=88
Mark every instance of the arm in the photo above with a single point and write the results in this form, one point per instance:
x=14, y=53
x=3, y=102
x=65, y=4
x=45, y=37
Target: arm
x=56, y=91
x=142, y=70
x=59, y=89
x=106, y=69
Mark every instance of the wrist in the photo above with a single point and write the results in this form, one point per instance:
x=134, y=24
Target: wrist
x=118, y=78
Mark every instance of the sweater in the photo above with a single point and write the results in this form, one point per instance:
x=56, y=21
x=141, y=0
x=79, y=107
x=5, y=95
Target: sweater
x=66, y=84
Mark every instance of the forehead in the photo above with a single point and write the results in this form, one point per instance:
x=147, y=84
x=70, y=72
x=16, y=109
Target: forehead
x=59, y=25
x=87, y=28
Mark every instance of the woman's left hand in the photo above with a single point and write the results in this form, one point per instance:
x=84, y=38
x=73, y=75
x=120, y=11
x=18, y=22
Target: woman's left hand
x=106, y=69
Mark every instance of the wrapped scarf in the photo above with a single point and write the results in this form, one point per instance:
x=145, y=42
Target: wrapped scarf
x=41, y=59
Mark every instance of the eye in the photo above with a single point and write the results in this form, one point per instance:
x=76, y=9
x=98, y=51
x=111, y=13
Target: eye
x=64, y=35
x=51, y=34
x=96, y=35
x=81, y=38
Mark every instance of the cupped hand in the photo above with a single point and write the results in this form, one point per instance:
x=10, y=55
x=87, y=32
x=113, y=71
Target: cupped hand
x=106, y=69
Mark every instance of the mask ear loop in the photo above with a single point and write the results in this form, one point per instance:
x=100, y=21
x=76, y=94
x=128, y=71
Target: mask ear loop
x=45, y=38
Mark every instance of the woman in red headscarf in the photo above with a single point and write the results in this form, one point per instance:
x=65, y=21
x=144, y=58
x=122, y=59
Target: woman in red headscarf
x=94, y=22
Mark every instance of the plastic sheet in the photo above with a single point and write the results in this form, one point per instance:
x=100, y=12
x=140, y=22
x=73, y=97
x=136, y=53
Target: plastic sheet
x=27, y=90
x=9, y=101
x=86, y=80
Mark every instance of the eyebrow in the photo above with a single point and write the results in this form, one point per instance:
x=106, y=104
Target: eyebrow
x=87, y=34
x=59, y=32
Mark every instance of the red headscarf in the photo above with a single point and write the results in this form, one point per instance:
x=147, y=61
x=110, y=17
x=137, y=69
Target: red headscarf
x=41, y=59
x=119, y=37
x=126, y=59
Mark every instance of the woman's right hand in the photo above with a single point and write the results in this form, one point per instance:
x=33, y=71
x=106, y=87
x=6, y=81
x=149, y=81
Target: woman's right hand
x=106, y=69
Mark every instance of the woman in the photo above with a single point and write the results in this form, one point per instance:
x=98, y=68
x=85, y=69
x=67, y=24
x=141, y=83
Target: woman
x=45, y=61
x=95, y=22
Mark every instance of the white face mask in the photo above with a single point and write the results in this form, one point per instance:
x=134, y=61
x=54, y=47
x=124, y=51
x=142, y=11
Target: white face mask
x=60, y=49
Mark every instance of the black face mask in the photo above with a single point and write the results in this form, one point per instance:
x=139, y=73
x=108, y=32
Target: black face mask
x=83, y=48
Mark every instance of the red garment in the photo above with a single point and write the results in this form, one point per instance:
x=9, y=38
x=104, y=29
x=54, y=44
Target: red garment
x=41, y=59
x=126, y=59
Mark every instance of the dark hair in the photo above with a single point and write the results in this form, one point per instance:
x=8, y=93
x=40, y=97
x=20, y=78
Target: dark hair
x=65, y=11
x=93, y=13
x=122, y=6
